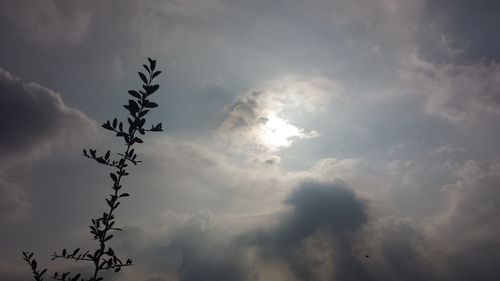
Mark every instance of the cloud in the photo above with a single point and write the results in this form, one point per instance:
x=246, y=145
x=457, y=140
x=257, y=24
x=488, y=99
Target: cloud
x=49, y=22
x=190, y=247
x=14, y=204
x=257, y=121
x=325, y=231
x=322, y=221
x=207, y=251
x=467, y=233
x=456, y=92
x=458, y=243
x=35, y=121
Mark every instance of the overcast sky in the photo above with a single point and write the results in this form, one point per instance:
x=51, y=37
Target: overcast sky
x=304, y=140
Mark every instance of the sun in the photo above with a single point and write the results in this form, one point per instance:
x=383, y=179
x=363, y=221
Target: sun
x=278, y=132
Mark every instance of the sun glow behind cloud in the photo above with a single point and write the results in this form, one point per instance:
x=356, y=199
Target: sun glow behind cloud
x=279, y=133
x=257, y=122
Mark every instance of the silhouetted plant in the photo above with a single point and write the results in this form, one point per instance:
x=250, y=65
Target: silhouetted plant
x=104, y=257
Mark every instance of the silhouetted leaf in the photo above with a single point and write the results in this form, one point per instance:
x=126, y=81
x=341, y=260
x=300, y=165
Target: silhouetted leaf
x=134, y=107
x=143, y=77
x=157, y=128
x=152, y=64
x=113, y=177
x=107, y=126
x=135, y=94
x=150, y=104
x=156, y=73
x=124, y=195
x=151, y=89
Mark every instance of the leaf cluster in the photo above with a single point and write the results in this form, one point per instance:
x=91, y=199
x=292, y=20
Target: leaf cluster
x=102, y=227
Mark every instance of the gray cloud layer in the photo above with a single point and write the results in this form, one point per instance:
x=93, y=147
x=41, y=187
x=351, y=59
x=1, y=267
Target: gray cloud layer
x=414, y=133
x=35, y=121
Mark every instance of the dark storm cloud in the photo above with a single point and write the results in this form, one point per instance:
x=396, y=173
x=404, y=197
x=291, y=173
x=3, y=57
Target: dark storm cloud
x=34, y=121
x=332, y=206
x=326, y=213
x=34, y=118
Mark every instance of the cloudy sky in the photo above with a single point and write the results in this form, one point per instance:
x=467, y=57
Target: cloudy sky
x=304, y=140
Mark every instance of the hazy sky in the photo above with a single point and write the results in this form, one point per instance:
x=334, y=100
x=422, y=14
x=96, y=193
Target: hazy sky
x=301, y=137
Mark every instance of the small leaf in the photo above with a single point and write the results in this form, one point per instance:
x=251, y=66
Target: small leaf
x=153, y=88
x=156, y=128
x=107, y=126
x=134, y=107
x=156, y=73
x=152, y=64
x=150, y=104
x=110, y=252
x=135, y=94
x=124, y=195
x=143, y=77
x=113, y=177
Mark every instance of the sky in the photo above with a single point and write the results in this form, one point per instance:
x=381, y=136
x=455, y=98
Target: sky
x=303, y=140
